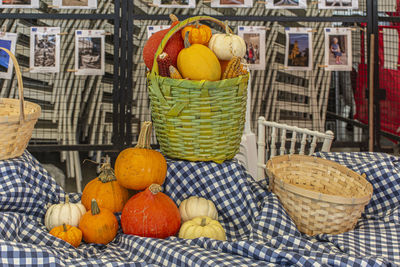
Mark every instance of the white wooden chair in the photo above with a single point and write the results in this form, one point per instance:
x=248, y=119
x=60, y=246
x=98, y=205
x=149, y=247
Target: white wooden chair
x=278, y=133
x=247, y=154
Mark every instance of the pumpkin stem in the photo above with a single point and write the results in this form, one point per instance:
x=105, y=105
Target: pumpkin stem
x=107, y=173
x=144, y=136
x=95, y=208
x=197, y=24
x=66, y=199
x=155, y=188
x=227, y=27
x=173, y=18
x=186, y=42
x=65, y=227
x=203, y=222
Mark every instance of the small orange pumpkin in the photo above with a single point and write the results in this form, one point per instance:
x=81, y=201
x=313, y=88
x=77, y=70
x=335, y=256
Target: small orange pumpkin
x=106, y=190
x=198, y=34
x=98, y=226
x=139, y=167
x=68, y=233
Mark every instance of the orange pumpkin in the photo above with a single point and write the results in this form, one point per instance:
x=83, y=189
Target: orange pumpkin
x=173, y=47
x=98, y=226
x=106, y=190
x=151, y=213
x=139, y=167
x=198, y=34
x=68, y=233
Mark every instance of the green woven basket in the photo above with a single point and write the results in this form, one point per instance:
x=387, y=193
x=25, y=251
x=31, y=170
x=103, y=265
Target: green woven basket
x=197, y=120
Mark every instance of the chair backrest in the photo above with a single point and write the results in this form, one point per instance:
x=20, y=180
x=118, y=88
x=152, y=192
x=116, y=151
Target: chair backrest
x=278, y=133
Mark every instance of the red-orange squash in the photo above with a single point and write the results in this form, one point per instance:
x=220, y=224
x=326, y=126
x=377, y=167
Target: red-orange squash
x=151, y=213
x=98, y=226
x=173, y=47
x=106, y=190
x=139, y=167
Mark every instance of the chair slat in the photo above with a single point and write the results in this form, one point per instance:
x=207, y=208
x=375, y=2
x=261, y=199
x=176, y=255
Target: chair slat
x=313, y=145
x=273, y=142
x=293, y=143
x=283, y=142
x=303, y=144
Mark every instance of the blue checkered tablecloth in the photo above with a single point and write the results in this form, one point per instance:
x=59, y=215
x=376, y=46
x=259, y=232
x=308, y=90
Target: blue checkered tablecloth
x=258, y=230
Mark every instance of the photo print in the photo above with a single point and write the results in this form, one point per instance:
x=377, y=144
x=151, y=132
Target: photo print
x=338, y=49
x=231, y=3
x=89, y=52
x=19, y=3
x=298, y=54
x=8, y=41
x=286, y=4
x=254, y=38
x=338, y=4
x=155, y=28
x=175, y=3
x=45, y=49
x=75, y=4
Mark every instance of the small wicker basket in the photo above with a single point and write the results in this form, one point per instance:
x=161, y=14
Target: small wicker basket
x=321, y=196
x=17, y=119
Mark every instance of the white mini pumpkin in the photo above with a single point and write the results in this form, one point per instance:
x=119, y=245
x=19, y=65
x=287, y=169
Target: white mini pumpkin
x=197, y=206
x=202, y=227
x=68, y=213
x=227, y=45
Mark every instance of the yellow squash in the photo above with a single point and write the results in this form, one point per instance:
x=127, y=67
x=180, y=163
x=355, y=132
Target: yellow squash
x=198, y=62
x=202, y=226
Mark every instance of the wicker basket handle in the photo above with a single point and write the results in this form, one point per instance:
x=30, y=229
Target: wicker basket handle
x=178, y=27
x=20, y=84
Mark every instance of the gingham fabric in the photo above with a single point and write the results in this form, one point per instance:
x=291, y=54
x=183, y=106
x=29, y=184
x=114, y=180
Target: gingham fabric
x=259, y=232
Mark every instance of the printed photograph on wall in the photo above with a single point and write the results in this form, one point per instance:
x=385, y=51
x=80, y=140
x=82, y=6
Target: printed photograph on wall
x=298, y=55
x=231, y=3
x=288, y=4
x=338, y=4
x=89, y=52
x=155, y=28
x=45, y=49
x=254, y=38
x=8, y=41
x=175, y=3
x=75, y=4
x=19, y=3
x=338, y=49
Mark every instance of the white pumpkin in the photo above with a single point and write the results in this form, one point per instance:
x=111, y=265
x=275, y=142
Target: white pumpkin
x=68, y=213
x=202, y=227
x=197, y=206
x=227, y=45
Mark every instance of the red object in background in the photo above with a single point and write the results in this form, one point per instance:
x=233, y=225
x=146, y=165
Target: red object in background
x=389, y=80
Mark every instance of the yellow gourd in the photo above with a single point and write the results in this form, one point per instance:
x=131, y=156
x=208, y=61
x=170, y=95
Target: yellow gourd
x=198, y=62
x=202, y=226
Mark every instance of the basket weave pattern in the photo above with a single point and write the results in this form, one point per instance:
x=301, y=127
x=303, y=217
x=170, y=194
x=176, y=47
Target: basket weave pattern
x=197, y=120
x=320, y=196
x=17, y=120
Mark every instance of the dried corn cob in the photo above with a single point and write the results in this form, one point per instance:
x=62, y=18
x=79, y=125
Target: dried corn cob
x=174, y=73
x=164, y=61
x=233, y=69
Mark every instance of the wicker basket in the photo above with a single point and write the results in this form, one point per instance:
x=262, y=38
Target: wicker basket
x=321, y=196
x=197, y=120
x=17, y=119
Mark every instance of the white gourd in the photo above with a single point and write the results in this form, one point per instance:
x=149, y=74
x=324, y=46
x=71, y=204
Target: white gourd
x=68, y=213
x=227, y=45
x=197, y=206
